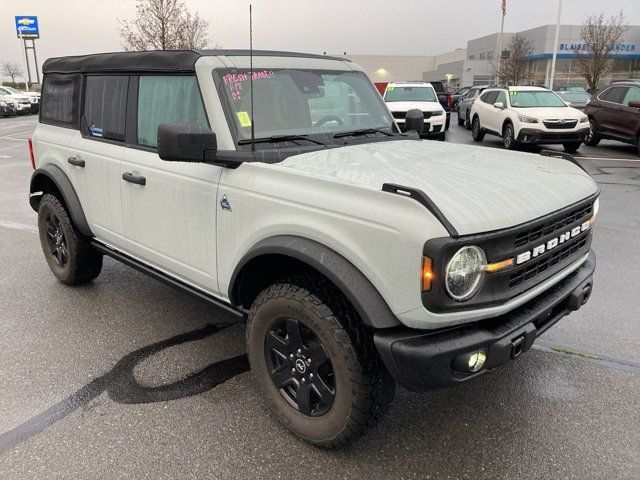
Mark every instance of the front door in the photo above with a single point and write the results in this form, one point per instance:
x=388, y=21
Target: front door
x=169, y=208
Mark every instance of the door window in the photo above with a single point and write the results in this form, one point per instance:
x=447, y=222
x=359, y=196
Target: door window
x=614, y=94
x=167, y=99
x=632, y=94
x=60, y=94
x=501, y=98
x=489, y=97
x=105, y=106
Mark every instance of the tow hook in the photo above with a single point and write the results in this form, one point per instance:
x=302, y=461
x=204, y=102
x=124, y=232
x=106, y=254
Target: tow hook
x=517, y=347
x=579, y=296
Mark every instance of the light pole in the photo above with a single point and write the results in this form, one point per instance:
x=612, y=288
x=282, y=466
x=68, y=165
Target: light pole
x=555, y=47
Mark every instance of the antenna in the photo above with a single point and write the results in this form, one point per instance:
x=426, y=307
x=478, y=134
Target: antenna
x=253, y=133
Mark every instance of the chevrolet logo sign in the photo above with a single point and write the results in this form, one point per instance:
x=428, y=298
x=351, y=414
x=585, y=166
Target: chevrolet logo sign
x=553, y=243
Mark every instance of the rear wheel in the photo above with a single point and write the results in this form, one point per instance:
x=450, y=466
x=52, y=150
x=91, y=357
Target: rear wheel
x=467, y=121
x=460, y=119
x=571, y=147
x=476, y=130
x=508, y=137
x=592, y=139
x=69, y=254
x=315, y=363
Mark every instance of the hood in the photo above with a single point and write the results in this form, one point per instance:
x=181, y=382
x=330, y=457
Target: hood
x=551, y=112
x=406, y=106
x=14, y=98
x=478, y=189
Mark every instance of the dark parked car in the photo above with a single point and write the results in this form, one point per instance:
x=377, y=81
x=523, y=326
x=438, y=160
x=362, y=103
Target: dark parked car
x=464, y=107
x=457, y=95
x=444, y=97
x=614, y=113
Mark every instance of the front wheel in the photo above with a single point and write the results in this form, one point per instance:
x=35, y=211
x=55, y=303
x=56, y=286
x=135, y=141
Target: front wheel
x=476, y=130
x=460, y=120
x=69, y=254
x=508, y=137
x=592, y=139
x=571, y=147
x=315, y=363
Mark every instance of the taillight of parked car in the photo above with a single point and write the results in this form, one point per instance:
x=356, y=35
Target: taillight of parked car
x=449, y=101
x=33, y=160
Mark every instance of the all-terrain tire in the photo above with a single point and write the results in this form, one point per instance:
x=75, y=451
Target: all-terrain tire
x=69, y=254
x=363, y=389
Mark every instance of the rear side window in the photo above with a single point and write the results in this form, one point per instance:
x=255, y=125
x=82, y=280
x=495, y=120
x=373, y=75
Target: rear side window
x=167, y=99
x=60, y=94
x=105, y=106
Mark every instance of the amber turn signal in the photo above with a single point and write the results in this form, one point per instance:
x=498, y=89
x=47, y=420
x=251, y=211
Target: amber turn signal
x=427, y=274
x=497, y=266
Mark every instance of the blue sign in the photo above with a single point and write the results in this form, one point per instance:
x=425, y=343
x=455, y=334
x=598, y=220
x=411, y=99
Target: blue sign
x=27, y=27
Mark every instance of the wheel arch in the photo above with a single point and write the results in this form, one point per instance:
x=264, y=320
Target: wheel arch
x=51, y=179
x=278, y=257
x=504, y=124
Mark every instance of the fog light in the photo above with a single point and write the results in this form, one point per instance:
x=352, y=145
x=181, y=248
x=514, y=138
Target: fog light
x=470, y=362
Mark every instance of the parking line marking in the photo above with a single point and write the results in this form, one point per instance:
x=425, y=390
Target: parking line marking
x=602, y=360
x=608, y=159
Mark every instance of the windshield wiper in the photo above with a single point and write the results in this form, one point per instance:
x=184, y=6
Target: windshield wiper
x=279, y=138
x=362, y=131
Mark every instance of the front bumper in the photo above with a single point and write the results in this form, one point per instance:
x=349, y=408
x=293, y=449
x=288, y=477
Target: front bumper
x=421, y=360
x=7, y=110
x=534, y=135
x=433, y=126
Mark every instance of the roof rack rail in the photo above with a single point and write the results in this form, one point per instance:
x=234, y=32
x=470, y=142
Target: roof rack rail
x=563, y=155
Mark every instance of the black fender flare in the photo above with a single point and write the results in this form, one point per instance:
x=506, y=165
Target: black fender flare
x=359, y=291
x=57, y=176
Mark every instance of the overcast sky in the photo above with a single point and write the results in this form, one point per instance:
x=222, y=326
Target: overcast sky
x=407, y=27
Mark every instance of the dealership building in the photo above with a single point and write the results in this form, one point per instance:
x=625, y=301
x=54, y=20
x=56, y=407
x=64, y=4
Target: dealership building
x=475, y=64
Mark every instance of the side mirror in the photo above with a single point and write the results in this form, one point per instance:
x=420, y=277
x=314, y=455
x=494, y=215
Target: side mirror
x=634, y=104
x=414, y=121
x=181, y=142
x=568, y=103
x=499, y=105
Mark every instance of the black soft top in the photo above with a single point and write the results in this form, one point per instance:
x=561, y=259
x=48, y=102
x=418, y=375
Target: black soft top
x=153, y=61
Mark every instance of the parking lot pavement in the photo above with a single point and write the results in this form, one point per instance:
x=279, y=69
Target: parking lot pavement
x=127, y=378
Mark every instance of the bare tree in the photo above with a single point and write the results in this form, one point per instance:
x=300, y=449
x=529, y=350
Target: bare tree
x=513, y=69
x=11, y=69
x=600, y=36
x=164, y=25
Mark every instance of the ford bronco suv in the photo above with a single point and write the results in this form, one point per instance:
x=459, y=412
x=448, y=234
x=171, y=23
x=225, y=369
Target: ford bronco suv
x=278, y=188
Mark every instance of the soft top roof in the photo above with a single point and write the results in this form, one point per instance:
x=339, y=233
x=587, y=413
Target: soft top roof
x=153, y=61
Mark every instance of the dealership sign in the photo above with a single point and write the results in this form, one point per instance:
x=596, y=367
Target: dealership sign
x=27, y=27
x=617, y=48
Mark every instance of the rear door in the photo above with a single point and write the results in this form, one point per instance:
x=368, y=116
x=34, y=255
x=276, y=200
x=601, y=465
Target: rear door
x=170, y=221
x=96, y=152
x=611, y=100
x=486, y=109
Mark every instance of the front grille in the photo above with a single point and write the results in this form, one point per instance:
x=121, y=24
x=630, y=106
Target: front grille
x=399, y=114
x=537, y=267
x=553, y=225
x=404, y=114
x=559, y=124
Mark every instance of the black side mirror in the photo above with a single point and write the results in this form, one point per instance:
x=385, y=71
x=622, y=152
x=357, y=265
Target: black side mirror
x=181, y=142
x=414, y=121
x=634, y=103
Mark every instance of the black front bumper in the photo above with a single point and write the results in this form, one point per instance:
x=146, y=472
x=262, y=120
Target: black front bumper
x=421, y=360
x=533, y=135
x=7, y=111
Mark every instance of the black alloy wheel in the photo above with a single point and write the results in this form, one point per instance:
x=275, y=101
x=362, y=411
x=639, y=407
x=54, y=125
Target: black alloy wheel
x=300, y=367
x=56, y=240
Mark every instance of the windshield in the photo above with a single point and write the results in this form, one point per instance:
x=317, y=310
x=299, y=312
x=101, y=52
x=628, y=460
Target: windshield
x=290, y=102
x=575, y=96
x=12, y=90
x=410, y=94
x=534, y=98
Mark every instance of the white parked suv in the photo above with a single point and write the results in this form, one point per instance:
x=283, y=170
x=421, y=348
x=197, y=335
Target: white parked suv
x=20, y=102
x=32, y=97
x=359, y=256
x=526, y=115
x=406, y=96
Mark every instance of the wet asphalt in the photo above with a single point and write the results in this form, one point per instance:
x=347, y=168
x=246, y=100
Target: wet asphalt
x=127, y=378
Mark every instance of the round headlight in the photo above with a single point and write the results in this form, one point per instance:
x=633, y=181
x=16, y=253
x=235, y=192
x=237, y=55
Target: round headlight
x=465, y=272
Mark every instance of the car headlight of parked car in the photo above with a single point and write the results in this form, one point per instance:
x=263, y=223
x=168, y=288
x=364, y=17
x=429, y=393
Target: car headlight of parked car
x=584, y=119
x=465, y=272
x=525, y=119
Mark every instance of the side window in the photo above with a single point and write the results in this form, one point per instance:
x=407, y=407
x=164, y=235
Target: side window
x=501, y=98
x=632, y=94
x=489, y=97
x=105, y=105
x=60, y=95
x=614, y=94
x=167, y=99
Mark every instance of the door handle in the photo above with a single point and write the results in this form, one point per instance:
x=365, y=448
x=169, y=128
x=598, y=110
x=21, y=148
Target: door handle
x=131, y=178
x=78, y=162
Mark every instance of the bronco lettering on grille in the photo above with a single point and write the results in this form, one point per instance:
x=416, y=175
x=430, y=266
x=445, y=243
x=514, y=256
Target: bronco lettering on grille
x=550, y=244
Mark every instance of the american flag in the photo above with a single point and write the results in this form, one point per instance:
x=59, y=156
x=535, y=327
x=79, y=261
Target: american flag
x=504, y=7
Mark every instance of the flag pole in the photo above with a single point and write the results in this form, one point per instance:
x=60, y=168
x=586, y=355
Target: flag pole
x=499, y=53
x=555, y=47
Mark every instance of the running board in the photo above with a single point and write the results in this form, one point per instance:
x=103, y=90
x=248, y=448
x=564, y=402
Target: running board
x=563, y=155
x=166, y=279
